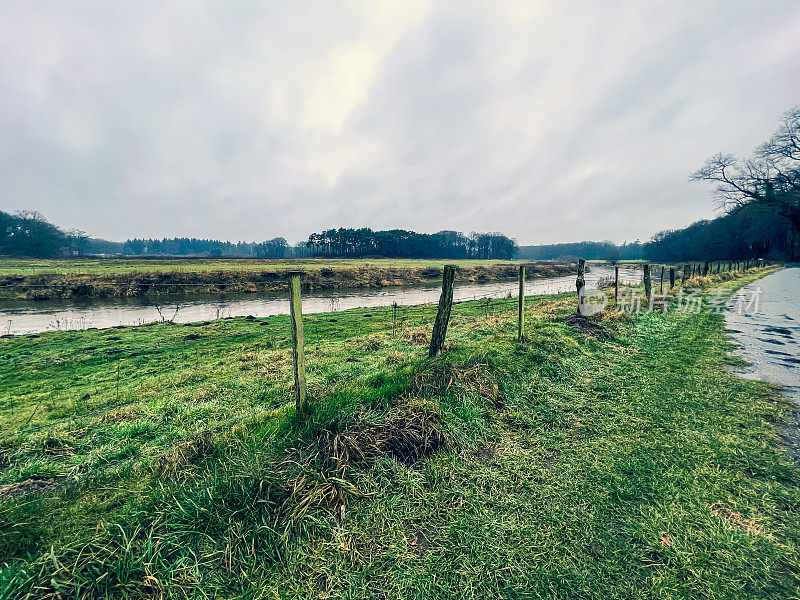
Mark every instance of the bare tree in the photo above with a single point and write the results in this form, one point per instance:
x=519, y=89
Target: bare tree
x=771, y=176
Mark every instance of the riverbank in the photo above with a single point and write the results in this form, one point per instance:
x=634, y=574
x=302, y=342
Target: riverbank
x=94, y=279
x=613, y=460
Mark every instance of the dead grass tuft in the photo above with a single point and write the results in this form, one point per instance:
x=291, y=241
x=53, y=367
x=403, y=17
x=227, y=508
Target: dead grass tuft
x=371, y=344
x=314, y=489
x=408, y=437
x=394, y=358
x=123, y=413
x=184, y=454
x=248, y=357
x=416, y=337
x=735, y=518
x=26, y=488
x=440, y=375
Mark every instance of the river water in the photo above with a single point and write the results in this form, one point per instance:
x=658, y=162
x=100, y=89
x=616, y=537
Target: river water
x=21, y=317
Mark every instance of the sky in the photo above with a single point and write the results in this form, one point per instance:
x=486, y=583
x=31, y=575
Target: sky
x=549, y=121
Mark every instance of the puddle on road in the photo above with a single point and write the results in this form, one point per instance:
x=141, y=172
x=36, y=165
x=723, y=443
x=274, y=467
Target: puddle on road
x=767, y=332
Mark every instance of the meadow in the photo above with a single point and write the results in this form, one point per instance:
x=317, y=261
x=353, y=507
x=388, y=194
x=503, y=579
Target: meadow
x=118, y=266
x=104, y=278
x=614, y=457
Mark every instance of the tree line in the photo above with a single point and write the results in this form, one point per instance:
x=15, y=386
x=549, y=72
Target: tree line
x=274, y=248
x=400, y=243
x=746, y=231
x=28, y=233
x=606, y=250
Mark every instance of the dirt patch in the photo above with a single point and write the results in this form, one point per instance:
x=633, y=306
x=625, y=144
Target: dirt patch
x=485, y=455
x=26, y=488
x=421, y=541
x=586, y=326
x=735, y=518
x=184, y=454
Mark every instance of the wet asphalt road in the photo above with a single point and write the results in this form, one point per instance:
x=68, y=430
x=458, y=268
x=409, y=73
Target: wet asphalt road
x=764, y=319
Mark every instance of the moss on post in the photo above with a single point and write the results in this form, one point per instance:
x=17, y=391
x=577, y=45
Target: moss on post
x=298, y=342
x=443, y=314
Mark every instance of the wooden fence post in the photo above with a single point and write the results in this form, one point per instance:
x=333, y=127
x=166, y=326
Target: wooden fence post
x=671, y=277
x=647, y=286
x=443, y=314
x=521, y=325
x=616, y=284
x=705, y=269
x=685, y=274
x=580, y=282
x=298, y=351
x=661, y=289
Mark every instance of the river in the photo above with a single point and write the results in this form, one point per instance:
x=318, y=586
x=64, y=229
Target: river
x=23, y=317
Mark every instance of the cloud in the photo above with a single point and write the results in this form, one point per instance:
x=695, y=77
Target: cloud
x=240, y=120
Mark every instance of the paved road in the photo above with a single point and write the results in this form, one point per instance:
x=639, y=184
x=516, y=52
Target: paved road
x=764, y=319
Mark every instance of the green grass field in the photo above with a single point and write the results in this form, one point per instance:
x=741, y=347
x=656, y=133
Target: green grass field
x=115, y=266
x=626, y=462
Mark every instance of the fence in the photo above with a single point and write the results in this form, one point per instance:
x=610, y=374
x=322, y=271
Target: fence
x=395, y=318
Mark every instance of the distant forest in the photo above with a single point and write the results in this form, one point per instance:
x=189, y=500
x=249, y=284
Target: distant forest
x=747, y=231
x=587, y=250
x=28, y=234
x=353, y=243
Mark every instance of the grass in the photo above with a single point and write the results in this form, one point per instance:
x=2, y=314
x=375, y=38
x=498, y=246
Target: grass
x=117, y=266
x=630, y=464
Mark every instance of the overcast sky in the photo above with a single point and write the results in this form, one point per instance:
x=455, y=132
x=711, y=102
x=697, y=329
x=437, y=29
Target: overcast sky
x=549, y=121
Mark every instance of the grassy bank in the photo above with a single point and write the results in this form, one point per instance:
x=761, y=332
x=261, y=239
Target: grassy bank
x=100, y=278
x=616, y=460
x=116, y=266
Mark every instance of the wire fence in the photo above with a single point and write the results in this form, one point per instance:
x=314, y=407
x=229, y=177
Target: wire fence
x=321, y=328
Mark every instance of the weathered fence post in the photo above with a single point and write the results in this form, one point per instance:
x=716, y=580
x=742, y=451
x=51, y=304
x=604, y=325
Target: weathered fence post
x=671, y=277
x=705, y=269
x=647, y=287
x=394, y=318
x=685, y=274
x=521, y=325
x=616, y=284
x=580, y=282
x=443, y=314
x=661, y=289
x=717, y=268
x=298, y=352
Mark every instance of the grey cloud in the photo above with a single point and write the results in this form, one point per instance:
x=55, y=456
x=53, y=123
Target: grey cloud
x=547, y=121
